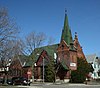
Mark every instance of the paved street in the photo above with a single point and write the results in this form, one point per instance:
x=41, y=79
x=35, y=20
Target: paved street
x=54, y=86
x=67, y=86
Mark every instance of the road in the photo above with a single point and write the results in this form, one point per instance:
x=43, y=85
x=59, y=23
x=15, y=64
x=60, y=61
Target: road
x=66, y=86
x=54, y=86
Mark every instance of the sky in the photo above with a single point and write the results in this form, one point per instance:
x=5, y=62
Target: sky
x=47, y=16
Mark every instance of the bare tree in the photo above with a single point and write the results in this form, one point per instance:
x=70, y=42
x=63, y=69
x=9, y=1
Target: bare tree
x=34, y=40
x=51, y=40
x=8, y=30
x=10, y=49
x=8, y=35
x=13, y=48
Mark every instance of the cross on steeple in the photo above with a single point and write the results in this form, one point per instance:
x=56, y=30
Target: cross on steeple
x=65, y=11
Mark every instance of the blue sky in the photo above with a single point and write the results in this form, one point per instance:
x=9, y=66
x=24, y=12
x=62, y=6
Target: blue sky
x=48, y=16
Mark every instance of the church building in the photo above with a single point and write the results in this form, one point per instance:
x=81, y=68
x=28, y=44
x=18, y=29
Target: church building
x=65, y=55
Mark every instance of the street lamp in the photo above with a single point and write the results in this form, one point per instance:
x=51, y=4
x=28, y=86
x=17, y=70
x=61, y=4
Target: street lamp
x=43, y=67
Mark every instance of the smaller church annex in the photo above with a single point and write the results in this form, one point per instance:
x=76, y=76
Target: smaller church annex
x=65, y=55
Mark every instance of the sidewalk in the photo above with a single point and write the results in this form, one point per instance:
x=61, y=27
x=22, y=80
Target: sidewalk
x=70, y=84
x=93, y=83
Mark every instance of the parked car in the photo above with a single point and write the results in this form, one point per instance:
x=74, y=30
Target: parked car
x=9, y=81
x=25, y=81
x=2, y=80
x=18, y=81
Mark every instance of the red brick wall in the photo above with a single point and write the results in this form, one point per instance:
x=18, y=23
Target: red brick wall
x=73, y=60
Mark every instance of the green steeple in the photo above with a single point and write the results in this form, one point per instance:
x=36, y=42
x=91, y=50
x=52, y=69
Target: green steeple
x=66, y=32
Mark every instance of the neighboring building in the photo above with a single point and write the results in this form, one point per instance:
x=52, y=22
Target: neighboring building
x=94, y=60
x=20, y=67
x=64, y=53
x=4, y=67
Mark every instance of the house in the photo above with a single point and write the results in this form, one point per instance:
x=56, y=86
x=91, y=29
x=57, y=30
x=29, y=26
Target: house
x=20, y=67
x=1, y=69
x=65, y=55
x=4, y=67
x=94, y=60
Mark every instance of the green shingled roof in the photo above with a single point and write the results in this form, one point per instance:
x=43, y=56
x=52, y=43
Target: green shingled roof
x=29, y=63
x=25, y=60
x=66, y=32
x=50, y=49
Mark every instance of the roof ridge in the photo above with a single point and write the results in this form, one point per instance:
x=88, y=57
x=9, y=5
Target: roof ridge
x=46, y=46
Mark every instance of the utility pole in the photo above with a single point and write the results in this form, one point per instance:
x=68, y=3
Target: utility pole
x=43, y=70
x=43, y=67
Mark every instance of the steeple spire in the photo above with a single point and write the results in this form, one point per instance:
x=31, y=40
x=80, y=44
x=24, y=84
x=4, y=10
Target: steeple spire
x=66, y=32
x=66, y=20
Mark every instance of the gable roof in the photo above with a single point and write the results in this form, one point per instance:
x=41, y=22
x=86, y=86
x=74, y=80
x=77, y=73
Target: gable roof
x=26, y=61
x=50, y=49
x=90, y=58
x=21, y=59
